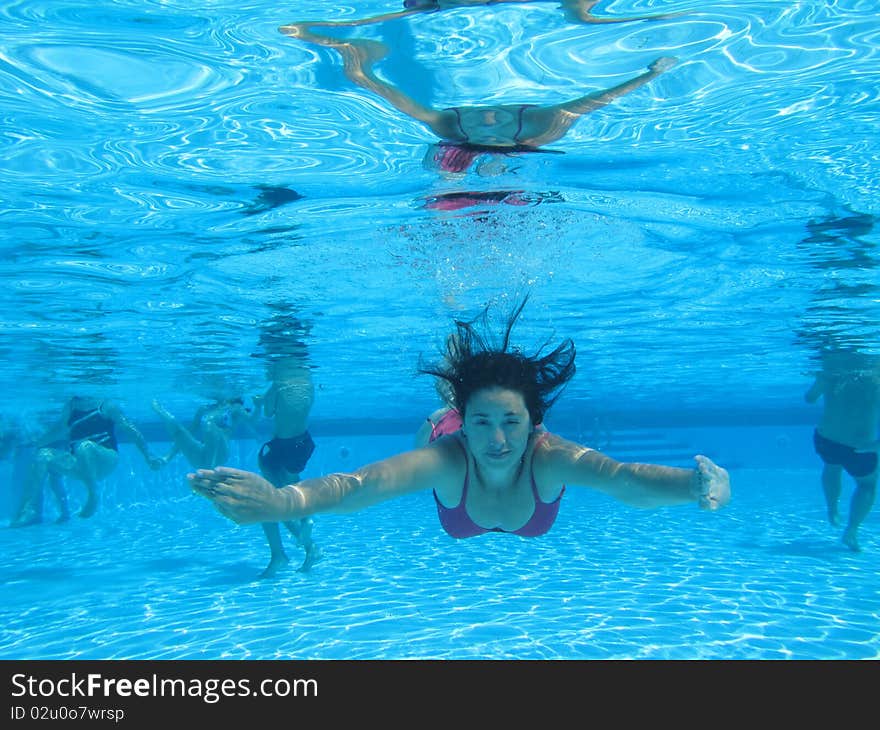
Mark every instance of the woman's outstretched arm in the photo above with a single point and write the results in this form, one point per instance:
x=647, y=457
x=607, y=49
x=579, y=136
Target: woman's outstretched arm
x=245, y=497
x=640, y=485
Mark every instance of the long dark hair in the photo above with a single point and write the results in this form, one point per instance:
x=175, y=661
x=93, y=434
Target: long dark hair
x=473, y=361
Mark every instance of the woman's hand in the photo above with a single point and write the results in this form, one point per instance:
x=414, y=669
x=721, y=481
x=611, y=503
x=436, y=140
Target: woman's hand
x=242, y=496
x=711, y=484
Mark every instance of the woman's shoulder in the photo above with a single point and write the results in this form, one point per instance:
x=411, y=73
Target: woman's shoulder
x=550, y=455
x=451, y=452
x=547, y=441
x=451, y=446
x=550, y=450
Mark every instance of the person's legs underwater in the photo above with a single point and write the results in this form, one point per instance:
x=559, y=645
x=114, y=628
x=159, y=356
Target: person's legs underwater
x=93, y=463
x=281, y=462
x=831, y=486
x=860, y=505
x=49, y=464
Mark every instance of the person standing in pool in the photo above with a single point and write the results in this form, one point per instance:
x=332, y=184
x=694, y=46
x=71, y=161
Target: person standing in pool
x=288, y=402
x=846, y=438
x=500, y=471
x=467, y=132
x=83, y=445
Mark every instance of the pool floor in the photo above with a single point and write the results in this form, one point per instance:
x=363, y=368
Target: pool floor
x=767, y=578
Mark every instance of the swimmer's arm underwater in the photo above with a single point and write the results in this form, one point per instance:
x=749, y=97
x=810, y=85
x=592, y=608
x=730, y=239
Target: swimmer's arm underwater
x=246, y=497
x=576, y=11
x=639, y=485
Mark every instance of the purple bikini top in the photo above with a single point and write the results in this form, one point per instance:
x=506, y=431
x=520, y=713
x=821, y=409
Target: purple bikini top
x=458, y=523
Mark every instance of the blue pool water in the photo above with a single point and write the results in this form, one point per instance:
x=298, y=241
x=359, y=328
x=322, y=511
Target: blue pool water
x=172, y=174
x=161, y=578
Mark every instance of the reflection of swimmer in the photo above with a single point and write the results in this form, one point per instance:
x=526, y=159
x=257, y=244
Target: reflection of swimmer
x=846, y=438
x=497, y=470
x=467, y=132
x=576, y=11
x=458, y=156
x=472, y=199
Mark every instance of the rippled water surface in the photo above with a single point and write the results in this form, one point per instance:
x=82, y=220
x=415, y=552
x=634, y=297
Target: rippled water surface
x=174, y=172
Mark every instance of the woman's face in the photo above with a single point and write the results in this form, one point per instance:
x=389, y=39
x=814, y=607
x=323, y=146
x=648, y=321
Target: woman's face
x=497, y=427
